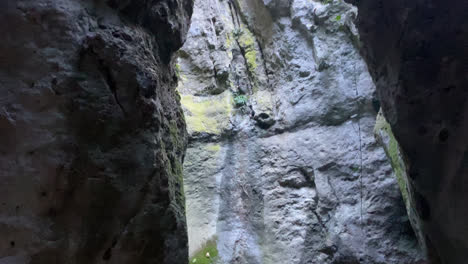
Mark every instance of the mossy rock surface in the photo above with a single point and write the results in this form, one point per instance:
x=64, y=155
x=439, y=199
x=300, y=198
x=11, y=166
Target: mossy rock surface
x=383, y=133
x=382, y=129
x=208, y=115
x=247, y=43
x=201, y=256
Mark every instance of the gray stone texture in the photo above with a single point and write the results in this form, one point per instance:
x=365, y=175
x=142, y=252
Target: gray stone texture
x=295, y=175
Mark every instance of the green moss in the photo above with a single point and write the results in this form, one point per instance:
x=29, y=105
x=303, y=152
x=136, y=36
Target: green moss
x=201, y=258
x=175, y=170
x=206, y=114
x=174, y=133
x=247, y=43
x=228, y=42
x=176, y=186
x=384, y=135
x=246, y=40
x=214, y=147
x=177, y=69
x=251, y=58
x=392, y=150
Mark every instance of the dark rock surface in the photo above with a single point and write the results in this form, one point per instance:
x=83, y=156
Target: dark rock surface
x=417, y=53
x=92, y=136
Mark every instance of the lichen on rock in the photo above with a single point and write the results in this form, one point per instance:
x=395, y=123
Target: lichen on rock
x=384, y=135
x=247, y=43
x=207, y=115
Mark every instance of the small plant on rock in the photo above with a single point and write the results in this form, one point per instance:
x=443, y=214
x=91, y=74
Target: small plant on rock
x=237, y=33
x=207, y=255
x=240, y=100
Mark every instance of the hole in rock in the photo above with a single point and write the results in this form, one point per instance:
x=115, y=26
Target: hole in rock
x=263, y=116
x=107, y=254
x=449, y=88
x=443, y=135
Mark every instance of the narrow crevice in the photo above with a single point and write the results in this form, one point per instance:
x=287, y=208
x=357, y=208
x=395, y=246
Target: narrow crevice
x=111, y=84
x=236, y=8
x=257, y=44
x=233, y=10
x=320, y=221
x=262, y=55
x=249, y=71
x=333, y=190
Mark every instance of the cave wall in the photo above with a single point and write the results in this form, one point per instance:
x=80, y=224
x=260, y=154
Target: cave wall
x=92, y=132
x=280, y=111
x=417, y=54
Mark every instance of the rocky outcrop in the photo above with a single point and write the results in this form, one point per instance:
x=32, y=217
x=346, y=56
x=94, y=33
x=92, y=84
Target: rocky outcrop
x=282, y=164
x=92, y=133
x=417, y=54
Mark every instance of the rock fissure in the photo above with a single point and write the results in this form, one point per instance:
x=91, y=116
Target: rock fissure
x=111, y=84
x=249, y=71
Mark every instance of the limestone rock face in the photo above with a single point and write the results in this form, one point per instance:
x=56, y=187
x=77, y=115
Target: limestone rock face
x=417, y=54
x=92, y=132
x=282, y=164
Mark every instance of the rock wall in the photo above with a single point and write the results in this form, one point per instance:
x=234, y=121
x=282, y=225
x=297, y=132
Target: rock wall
x=419, y=66
x=282, y=164
x=92, y=132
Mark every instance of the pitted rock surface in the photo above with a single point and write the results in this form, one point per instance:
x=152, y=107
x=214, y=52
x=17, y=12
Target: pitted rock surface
x=92, y=132
x=282, y=164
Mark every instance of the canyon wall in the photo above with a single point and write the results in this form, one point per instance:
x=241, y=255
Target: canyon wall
x=417, y=54
x=92, y=132
x=282, y=164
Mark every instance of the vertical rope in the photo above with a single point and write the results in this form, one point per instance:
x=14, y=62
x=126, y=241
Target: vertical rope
x=361, y=186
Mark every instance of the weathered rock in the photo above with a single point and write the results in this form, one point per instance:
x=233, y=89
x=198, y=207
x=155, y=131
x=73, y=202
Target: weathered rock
x=292, y=174
x=385, y=137
x=417, y=54
x=92, y=133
